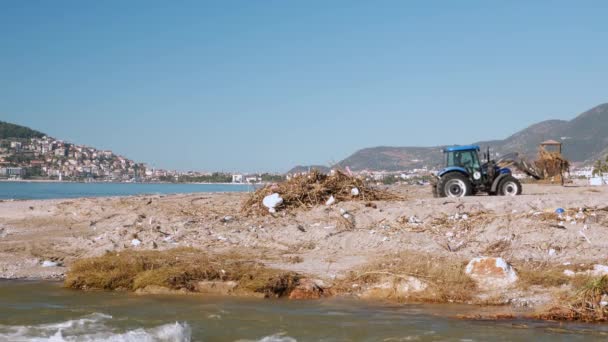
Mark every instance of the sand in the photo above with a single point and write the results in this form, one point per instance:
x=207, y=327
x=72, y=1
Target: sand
x=315, y=242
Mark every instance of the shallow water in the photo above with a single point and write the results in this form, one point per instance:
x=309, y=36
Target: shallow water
x=35, y=311
x=43, y=190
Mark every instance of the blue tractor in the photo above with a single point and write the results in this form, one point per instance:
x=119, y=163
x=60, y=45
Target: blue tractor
x=465, y=175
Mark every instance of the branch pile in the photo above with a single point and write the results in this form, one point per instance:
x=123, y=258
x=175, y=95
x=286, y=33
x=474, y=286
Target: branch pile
x=551, y=164
x=315, y=188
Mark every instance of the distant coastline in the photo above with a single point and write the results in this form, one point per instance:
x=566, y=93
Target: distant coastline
x=113, y=182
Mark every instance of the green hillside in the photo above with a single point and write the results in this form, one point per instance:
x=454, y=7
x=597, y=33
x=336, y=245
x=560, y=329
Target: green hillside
x=9, y=130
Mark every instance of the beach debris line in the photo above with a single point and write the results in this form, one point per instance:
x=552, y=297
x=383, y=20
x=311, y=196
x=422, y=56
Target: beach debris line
x=312, y=189
x=588, y=304
x=185, y=269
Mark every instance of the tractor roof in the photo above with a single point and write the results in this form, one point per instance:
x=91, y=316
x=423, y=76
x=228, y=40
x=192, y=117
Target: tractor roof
x=461, y=148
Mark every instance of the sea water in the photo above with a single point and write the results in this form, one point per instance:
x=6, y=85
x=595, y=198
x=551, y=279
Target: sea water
x=43, y=311
x=50, y=190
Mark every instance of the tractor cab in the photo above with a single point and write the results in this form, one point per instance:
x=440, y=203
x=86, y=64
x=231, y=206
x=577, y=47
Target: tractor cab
x=464, y=159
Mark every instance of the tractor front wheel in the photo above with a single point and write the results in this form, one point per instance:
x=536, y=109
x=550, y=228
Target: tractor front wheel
x=454, y=184
x=509, y=186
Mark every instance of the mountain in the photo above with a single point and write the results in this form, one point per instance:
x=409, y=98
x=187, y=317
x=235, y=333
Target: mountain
x=584, y=138
x=12, y=131
x=306, y=168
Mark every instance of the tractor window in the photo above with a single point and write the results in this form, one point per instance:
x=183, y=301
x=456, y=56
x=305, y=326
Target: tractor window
x=466, y=159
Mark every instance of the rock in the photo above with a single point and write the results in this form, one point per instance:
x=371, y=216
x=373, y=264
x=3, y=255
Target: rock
x=569, y=273
x=330, y=201
x=354, y=192
x=491, y=273
x=216, y=287
x=393, y=287
x=227, y=219
x=272, y=201
x=158, y=290
x=135, y=242
x=307, y=289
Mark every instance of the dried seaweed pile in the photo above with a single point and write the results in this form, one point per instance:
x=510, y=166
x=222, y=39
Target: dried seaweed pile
x=587, y=304
x=551, y=164
x=315, y=188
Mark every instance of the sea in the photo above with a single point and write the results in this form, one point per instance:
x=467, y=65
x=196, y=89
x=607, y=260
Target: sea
x=52, y=190
x=47, y=312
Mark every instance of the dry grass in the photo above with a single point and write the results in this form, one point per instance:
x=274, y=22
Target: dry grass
x=179, y=268
x=541, y=274
x=315, y=188
x=445, y=277
x=585, y=305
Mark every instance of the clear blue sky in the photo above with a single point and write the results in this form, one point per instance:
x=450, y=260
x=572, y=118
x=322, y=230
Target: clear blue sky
x=264, y=85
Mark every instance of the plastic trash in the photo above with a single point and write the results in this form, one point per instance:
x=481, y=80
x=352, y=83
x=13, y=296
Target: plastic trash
x=272, y=201
x=135, y=242
x=354, y=191
x=580, y=232
x=560, y=211
x=331, y=200
x=414, y=220
x=48, y=263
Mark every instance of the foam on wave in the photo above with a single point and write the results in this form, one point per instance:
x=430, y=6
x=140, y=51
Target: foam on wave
x=93, y=328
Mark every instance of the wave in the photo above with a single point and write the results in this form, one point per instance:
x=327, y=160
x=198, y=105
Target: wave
x=280, y=337
x=92, y=328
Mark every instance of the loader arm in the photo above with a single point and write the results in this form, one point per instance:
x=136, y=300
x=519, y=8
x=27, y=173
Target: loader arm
x=514, y=159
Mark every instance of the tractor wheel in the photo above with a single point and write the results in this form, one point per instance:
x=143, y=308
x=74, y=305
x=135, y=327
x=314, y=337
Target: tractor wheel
x=454, y=184
x=509, y=186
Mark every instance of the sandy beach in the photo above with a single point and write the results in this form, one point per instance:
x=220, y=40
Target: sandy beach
x=523, y=230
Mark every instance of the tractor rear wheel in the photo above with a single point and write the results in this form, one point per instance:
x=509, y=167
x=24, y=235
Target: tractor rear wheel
x=454, y=184
x=509, y=186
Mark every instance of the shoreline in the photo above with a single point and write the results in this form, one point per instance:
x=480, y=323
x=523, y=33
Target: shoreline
x=112, y=182
x=378, y=258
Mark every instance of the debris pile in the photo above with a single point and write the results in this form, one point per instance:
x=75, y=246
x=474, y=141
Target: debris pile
x=312, y=189
x=588, y=305
x=551, y=165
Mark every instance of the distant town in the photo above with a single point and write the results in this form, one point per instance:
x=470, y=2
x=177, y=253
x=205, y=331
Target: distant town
x=46, y=158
